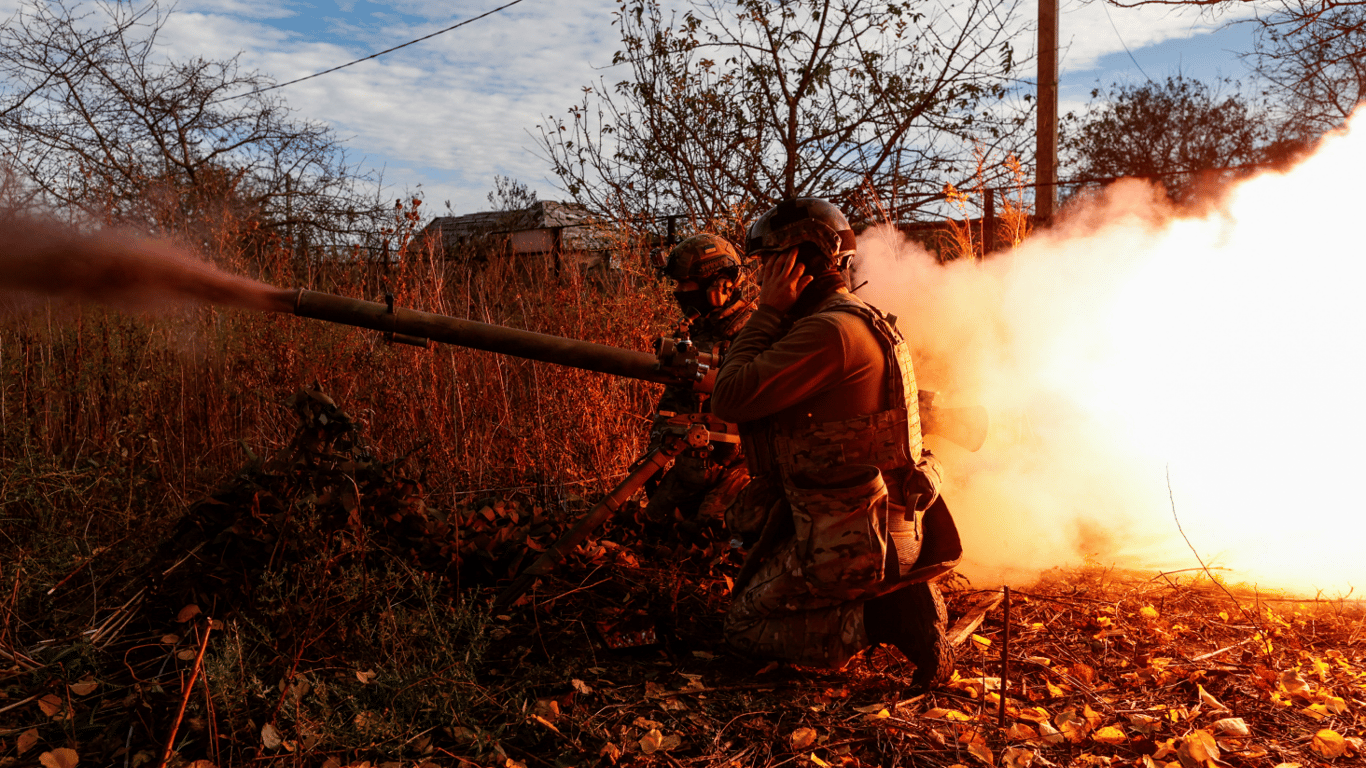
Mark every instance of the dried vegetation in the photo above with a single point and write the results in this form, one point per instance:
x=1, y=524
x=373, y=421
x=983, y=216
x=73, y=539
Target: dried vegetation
x=204, y=569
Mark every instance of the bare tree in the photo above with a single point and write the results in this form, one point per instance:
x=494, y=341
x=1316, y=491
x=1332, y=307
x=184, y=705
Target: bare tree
x=732, y=106
x=96, y=118
x=1313, y=56
x=1166, y=131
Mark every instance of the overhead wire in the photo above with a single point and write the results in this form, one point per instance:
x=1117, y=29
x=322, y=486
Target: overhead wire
x=373, y=55
x=1123, y=44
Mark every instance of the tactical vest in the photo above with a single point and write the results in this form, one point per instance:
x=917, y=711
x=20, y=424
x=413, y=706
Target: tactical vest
x=889, y=439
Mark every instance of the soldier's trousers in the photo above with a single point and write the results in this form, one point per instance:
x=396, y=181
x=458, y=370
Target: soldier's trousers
x=776, y=616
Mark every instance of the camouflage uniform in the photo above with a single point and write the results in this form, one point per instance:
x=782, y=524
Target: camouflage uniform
x=843, y=504
x=700, y=485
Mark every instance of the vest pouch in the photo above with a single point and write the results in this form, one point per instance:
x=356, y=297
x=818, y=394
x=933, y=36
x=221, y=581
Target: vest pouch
x=840, y=517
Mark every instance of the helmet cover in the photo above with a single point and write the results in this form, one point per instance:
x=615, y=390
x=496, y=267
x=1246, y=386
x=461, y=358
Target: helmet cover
x=701, y=257
x=802, y=220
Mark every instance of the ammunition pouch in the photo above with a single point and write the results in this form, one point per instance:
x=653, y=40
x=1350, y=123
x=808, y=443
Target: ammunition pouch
x=840, y=522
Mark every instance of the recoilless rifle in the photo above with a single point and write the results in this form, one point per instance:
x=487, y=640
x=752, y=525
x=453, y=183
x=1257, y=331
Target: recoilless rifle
x=675, y=361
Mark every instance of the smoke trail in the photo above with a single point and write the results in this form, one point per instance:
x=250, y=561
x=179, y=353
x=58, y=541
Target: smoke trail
x=41, y=256
x=1127, y=345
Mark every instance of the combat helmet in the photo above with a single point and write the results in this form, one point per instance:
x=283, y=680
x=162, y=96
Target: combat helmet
x=803, y=220
x=701, y=258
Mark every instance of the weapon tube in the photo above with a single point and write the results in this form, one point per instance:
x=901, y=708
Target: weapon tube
x=412, y=326
x=676, y=362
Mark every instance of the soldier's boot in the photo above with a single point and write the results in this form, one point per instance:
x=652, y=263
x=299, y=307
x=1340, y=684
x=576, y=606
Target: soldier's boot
x=915, y=620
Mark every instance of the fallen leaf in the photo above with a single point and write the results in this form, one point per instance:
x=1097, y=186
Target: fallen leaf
x=83, y=688
x=1329, y=743
x=980, y=751
x=1148, y=612
x=1334, y=704
x=188, y=612
x=651, y=741
x=1017, y=757
x=817, y=761
x=871, y=709
x=1021, y=732
x=1051, y=735
x=366, y=676
x=982, y=643
x=581, y=686
x=27, y=739
x=1293, y=683
x=52, y=705
x=1200, y=746
x=1232, y=726
x=62, y=757
x=1110, y=735
x=939, y=713
x=270, y=738
x=802, y=738
x=611, y=752
x=1209, y=700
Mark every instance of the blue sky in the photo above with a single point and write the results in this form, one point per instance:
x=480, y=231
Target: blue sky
x=448, y=114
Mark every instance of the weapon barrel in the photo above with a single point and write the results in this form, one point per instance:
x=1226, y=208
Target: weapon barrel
x=476, y=335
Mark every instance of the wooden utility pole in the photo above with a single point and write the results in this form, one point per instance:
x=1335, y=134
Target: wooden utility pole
x=1046, y=152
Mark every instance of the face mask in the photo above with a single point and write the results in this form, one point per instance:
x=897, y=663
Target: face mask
x=694, y=301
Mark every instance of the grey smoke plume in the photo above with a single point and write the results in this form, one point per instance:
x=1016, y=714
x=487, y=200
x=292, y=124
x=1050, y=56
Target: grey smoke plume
x=1126, y=346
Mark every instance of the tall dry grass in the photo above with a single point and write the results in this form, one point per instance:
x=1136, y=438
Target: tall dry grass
x=147, y=413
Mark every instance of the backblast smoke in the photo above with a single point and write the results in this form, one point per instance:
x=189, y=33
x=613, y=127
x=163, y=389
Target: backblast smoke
x=43, y=257
x=1127, y=348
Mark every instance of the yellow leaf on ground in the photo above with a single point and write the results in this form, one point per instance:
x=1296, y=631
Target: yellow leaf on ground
x=819, y=762
x=62, y=757
x=979, y=750
x=1334, y=704
x=1148, y=612
x=1329, y=743
x=1035, y=715
x=939, y=713
x=1110, y=735
x=802, y=738
x=27, y=739
x=651, y=741
x=1021, y=732
x=982, y=643
x=1200, y=746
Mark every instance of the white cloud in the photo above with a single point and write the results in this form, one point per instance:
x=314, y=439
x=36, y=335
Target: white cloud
x=1090, y=29
x=451, y=112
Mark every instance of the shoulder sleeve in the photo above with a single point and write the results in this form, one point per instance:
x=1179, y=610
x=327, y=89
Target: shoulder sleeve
x=764, y=373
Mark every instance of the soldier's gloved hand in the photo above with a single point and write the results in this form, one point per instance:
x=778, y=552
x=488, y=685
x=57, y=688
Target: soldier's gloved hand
x=782, y=279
